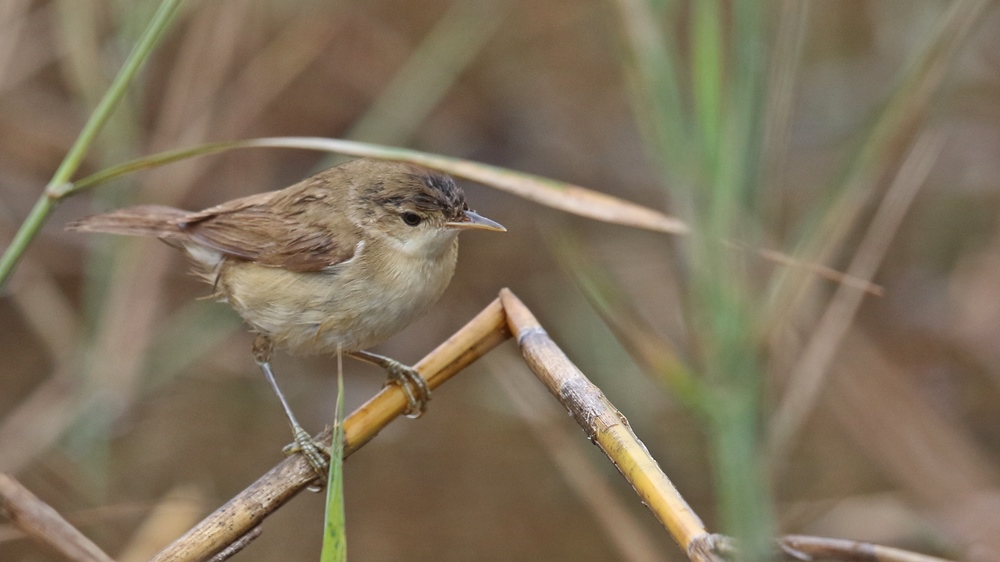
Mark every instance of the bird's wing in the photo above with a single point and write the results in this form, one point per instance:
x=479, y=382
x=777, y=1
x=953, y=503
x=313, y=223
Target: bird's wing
x=288, y=229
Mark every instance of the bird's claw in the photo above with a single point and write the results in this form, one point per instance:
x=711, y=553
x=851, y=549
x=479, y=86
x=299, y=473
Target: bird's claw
x=315, y=453
x=414, y=385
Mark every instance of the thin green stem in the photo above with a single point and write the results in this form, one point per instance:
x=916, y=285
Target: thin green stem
x=56, y=188
x=335, y=525
x=707, y=73
x=744, y=497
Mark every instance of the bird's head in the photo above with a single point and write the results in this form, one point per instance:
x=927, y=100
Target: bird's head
x=421, y=210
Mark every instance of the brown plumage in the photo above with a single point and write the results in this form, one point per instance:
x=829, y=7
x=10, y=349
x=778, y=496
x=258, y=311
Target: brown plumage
x=305, y=227
x=341, y=260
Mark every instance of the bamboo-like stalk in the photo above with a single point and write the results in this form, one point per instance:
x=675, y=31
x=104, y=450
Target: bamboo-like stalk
x=235, y=524
x=39, y=521
x=633, y=542
x=250, y=507
x=608, y=428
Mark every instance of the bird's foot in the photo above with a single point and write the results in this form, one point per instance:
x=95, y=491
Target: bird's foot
x=315, y=452
x=414, y=385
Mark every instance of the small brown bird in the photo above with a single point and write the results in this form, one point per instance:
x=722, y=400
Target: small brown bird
x=340, y=261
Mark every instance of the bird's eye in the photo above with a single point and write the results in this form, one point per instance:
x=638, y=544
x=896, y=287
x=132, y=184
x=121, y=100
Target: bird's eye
x=411, y=219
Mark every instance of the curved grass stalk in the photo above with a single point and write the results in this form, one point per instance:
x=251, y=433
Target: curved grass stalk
x=558, y=195
x=59, y=186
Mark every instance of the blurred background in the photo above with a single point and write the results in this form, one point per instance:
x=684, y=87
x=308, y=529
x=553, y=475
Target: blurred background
x=860, y=136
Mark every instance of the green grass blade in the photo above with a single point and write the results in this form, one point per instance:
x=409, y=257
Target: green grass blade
x=57, y=186
x=707, y=70
x=335, y=524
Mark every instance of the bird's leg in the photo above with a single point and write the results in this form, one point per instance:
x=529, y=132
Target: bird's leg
x=414, y=385
x=313, y=452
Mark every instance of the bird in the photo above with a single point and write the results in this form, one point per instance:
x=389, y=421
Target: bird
x=336, y=263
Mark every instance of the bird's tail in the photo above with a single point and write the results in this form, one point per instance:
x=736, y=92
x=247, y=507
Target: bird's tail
x=141, y=220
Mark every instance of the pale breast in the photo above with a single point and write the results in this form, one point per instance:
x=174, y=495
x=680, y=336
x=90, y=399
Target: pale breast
x=355, y=305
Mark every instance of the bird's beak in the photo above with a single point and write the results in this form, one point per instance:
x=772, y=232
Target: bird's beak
x=470, y=220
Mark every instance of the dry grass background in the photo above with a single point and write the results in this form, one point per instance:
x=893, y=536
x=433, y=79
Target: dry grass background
x=134, y=410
